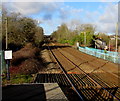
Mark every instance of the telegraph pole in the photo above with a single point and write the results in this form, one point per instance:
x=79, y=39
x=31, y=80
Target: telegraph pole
x=85, y=39
x=7, y=60
x=116, y=36
x=109, y=44
x=6, y=33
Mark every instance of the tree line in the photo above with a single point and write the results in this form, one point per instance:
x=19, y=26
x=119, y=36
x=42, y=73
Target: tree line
x=84, y=33
x=20, y=30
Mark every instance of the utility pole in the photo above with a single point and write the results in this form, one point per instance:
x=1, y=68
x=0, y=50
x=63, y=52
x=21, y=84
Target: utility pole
x=109, y=44
x=6, y=33
x=7, y=60
x=85, y=39
x=116, y=36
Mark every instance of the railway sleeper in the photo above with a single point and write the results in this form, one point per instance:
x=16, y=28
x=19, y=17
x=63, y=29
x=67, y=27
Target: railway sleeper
x=89, y=91
x=91, y=94
x=102, y=78
x=76, y=82
x=99, y=81
x=80, y=82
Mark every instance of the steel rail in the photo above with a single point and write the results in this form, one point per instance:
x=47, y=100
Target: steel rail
x=90, y=76
x=66, y=75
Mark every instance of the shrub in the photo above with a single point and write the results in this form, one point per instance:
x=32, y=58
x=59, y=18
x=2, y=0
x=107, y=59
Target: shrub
x=26, y=61
x=27, y=52
x=29, y=66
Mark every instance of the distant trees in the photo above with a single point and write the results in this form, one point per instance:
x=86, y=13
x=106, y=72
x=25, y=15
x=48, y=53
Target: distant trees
x=21, y=30
x=80, y=33
x=39, y=35
x=104, y=37
x=86, y=34
x=61, y=33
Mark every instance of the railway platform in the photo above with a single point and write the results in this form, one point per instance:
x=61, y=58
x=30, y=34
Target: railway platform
x=33, y=92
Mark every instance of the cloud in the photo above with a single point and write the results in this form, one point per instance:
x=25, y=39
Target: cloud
x=73, y=24
x=110, y=15
x=104, y=21
x=27, y=8
x=47, y=17
x=64, y=14
x=45, y=10
x=77, y=10
x=92, y=16
x=109, y=0
x=107, y=21
x=61, y=1
x=67, y=12
x=48, y=12
x=33, y=1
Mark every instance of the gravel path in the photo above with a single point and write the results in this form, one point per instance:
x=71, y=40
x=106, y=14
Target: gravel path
x=49, y=63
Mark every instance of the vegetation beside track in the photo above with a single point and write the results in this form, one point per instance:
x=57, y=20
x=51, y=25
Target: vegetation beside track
x=17, y=79
x=84, y=33
x=25, y=62
x=24, y=38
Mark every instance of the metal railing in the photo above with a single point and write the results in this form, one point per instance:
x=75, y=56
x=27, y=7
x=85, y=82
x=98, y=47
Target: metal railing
x=106, y=55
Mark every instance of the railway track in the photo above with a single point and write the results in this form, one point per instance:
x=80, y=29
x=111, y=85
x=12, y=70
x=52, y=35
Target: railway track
x=99, y=72
x=95, y=79
x=100, y=65
x=88, y=92
x=88, y=86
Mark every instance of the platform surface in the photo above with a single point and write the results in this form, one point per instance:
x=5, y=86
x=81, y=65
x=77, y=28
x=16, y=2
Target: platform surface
x=33, y=92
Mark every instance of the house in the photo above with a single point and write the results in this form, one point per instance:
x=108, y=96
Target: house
x=113, y=37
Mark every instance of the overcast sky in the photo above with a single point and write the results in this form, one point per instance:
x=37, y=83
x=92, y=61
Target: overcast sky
x=102, y=14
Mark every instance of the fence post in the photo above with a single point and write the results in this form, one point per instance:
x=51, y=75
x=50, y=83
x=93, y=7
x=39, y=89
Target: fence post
x=104, y=55
x=114, y=59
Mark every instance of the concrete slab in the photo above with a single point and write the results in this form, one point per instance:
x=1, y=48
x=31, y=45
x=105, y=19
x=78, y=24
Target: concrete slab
x=53, y=91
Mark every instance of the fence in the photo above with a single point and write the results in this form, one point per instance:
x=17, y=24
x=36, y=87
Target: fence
x=108, y=55
x=2, y=61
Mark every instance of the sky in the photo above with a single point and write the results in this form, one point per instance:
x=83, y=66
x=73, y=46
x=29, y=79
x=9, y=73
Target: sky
x=102, y=14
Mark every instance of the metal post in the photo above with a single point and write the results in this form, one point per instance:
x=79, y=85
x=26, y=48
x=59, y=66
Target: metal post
x=8, y=72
